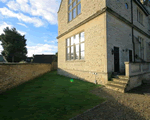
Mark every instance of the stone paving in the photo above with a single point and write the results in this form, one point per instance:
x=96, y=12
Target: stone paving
x=134, y=105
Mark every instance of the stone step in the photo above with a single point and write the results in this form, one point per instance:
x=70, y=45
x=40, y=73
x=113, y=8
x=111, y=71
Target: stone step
x=122, y=77
x=117, y=83
x=120, y=80
x=115, y=87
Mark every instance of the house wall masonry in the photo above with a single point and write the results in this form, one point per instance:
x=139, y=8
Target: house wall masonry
x=95, y=53
x=119, y=7
x=123, y=40
x=145, y=26
x=147, y=47
x=113, y=27
x=88, y=8
x=12, y=75
x=119, y=33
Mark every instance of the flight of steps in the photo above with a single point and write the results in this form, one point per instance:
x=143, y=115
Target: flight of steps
x=118, y=83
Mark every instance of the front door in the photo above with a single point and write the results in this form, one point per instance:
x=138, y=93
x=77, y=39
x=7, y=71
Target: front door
x=130, y=55
x=116, y=59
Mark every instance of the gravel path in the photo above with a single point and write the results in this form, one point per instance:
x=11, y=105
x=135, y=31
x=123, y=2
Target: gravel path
x=134, y=105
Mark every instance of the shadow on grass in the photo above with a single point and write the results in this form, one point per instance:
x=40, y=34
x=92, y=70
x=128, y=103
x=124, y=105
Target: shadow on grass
x=54, y=97
x=49, y=96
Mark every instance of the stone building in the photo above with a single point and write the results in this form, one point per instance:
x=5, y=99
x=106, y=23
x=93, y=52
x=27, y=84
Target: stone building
x=97, y=37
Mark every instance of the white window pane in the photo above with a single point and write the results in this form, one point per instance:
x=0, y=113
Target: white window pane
x=68, y=50
x=78, y=1
x=79, y=9
x=72, y=56
x=77, y=48
x=72, y=49
x=82, y=36
x=68, y=53
x=68, y=42
x=72, y=52
x=74, y=12
x=77, y=55
x=82, y=55
x=72, y=40
x=77, y=51
x=70, y=16
x=74, y=3
x=68, y=56
x=70, y=7
x=82, y=47
x=76, y=40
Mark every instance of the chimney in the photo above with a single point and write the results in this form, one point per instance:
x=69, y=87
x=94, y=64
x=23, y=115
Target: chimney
x=142, y=1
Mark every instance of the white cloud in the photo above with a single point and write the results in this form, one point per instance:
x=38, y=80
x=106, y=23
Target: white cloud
x=3, y=1
x=22, y=25
x=47, y=9
x=36, y=21
x=4, y=25
x=51, y=41
x=21, y=32
x=41, y=49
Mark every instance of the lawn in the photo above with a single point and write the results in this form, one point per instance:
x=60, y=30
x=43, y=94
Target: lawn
x=49, y=97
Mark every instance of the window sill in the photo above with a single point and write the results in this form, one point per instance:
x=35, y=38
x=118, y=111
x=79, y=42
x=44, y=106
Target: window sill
x=75, y=60
x=141, y=24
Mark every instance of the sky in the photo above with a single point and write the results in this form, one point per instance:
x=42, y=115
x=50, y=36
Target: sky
x=36, y=19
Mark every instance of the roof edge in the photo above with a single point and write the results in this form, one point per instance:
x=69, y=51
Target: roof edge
x=60, y=6
x=142, y=7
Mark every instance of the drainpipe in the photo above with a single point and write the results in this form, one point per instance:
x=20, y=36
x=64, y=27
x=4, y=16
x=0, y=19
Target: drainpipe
x=132, y=29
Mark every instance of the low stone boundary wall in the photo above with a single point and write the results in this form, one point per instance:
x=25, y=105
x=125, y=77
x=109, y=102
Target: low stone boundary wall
x=12, y=75
x=137, y=73
x=54, y=65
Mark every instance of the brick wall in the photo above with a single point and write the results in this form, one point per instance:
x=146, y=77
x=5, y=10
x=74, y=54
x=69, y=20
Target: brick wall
x=12, y=75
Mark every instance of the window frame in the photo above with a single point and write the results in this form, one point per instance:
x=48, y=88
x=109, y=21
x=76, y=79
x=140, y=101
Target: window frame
x=140, y=16
x=141, y=47
x=74, y=47
x=72, y=9
x=126, y=6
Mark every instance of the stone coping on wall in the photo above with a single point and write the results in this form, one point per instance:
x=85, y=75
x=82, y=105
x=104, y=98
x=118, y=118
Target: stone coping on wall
x=135, y=62
x=21, y=63
x=139, y=74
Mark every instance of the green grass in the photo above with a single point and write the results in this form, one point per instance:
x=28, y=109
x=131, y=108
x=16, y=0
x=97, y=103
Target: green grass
x=49, y=97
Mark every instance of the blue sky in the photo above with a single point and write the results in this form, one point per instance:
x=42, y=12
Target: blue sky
x=36, y=19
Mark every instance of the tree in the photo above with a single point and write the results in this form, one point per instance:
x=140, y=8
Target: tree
x=13, y=44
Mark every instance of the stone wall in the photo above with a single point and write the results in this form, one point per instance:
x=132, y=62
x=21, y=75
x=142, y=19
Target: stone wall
x=145, y=26
x=119, y=7
x=146, y=46
x=12, y=75
x=119, y=35
x=54, y=66
x=95, y=52
x=137, y=72
x=88, y=8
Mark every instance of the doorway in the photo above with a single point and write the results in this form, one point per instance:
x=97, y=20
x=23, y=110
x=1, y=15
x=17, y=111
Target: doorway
x=130, y=55
x=116, y=60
